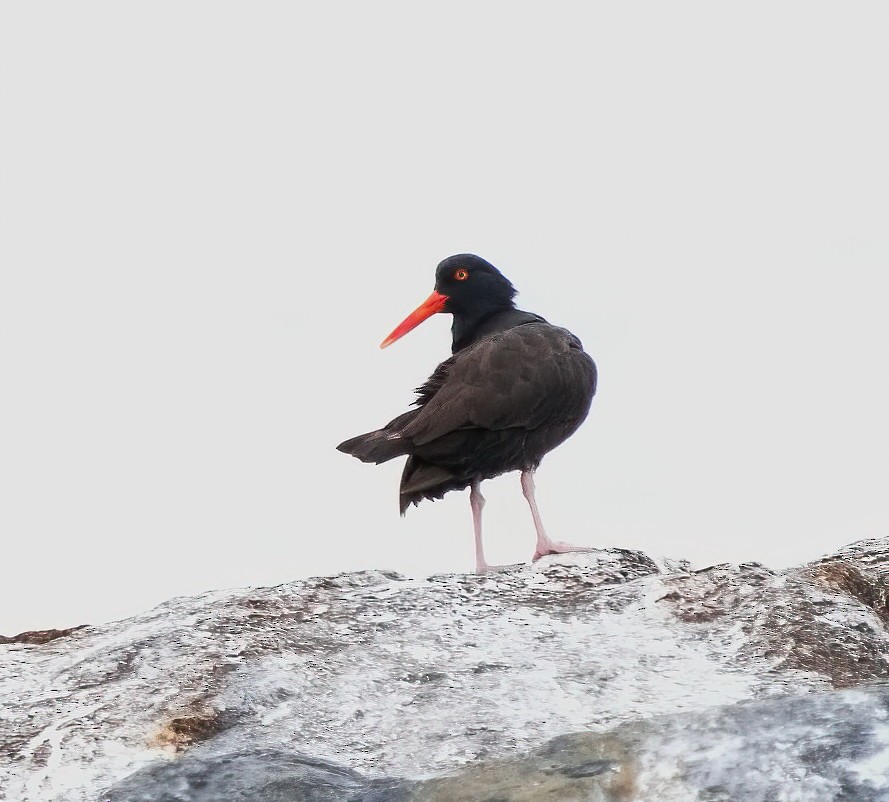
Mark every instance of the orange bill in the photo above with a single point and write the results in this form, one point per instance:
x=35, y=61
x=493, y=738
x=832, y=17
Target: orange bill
x=434, y=303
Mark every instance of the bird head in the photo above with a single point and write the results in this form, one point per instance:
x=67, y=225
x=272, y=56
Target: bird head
x=465, y=285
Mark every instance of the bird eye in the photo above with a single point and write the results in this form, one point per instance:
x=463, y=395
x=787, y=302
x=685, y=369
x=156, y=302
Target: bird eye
x=461, y=274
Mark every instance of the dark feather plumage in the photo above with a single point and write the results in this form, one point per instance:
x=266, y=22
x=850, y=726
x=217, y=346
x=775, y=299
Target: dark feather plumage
x=514, y=389
x=498, y=404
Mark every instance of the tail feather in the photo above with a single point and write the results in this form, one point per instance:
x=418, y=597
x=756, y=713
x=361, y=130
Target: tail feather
x=379, y=446
x=422, y=479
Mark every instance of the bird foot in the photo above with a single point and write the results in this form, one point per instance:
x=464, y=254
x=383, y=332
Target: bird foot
x=491, y=569
x=557, y=547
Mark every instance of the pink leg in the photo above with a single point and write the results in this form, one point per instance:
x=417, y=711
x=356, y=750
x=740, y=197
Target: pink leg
x=544, y=544
x=477, y=502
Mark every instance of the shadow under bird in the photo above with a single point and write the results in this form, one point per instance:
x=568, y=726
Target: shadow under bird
x=515, y=388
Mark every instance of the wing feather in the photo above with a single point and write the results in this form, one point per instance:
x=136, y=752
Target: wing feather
x=522, y=378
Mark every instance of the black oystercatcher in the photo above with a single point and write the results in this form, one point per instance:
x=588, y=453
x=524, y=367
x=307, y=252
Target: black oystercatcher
x=515, y=388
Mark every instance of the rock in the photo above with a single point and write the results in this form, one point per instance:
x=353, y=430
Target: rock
x=251, y=775
x=188, y=728
x=40, y=636
x=801, y=747
x=597, y=676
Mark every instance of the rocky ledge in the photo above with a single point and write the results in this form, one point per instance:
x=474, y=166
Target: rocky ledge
x=602, y=676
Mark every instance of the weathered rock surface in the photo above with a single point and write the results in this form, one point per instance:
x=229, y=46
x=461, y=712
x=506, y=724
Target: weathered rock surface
x=39, y=636
x=601, y=676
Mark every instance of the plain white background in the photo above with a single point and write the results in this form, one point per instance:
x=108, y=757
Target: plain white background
x=213, y=212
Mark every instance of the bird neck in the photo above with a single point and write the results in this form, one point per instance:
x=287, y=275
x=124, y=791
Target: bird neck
x=466, y=326
x=467, y=329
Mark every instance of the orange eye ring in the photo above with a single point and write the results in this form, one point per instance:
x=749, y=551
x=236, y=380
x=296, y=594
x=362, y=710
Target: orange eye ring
x=461, y=275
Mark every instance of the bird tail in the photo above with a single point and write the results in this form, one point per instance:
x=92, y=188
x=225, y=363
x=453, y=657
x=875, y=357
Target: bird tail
x=379, y=446
x=421, y=479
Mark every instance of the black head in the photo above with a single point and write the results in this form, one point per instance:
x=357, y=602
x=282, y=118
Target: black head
x=473, y=286
x=469, y=288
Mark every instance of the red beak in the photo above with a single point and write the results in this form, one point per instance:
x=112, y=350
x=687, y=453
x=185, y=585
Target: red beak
x=434, y=303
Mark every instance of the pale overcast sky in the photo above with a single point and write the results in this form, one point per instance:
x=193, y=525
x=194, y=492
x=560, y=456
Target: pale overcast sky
x=211, y=214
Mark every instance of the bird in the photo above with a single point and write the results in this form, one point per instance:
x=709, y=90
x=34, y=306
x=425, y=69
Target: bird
x=515, y=387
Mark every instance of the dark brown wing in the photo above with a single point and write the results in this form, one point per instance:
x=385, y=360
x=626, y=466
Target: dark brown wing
x=523, y=378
